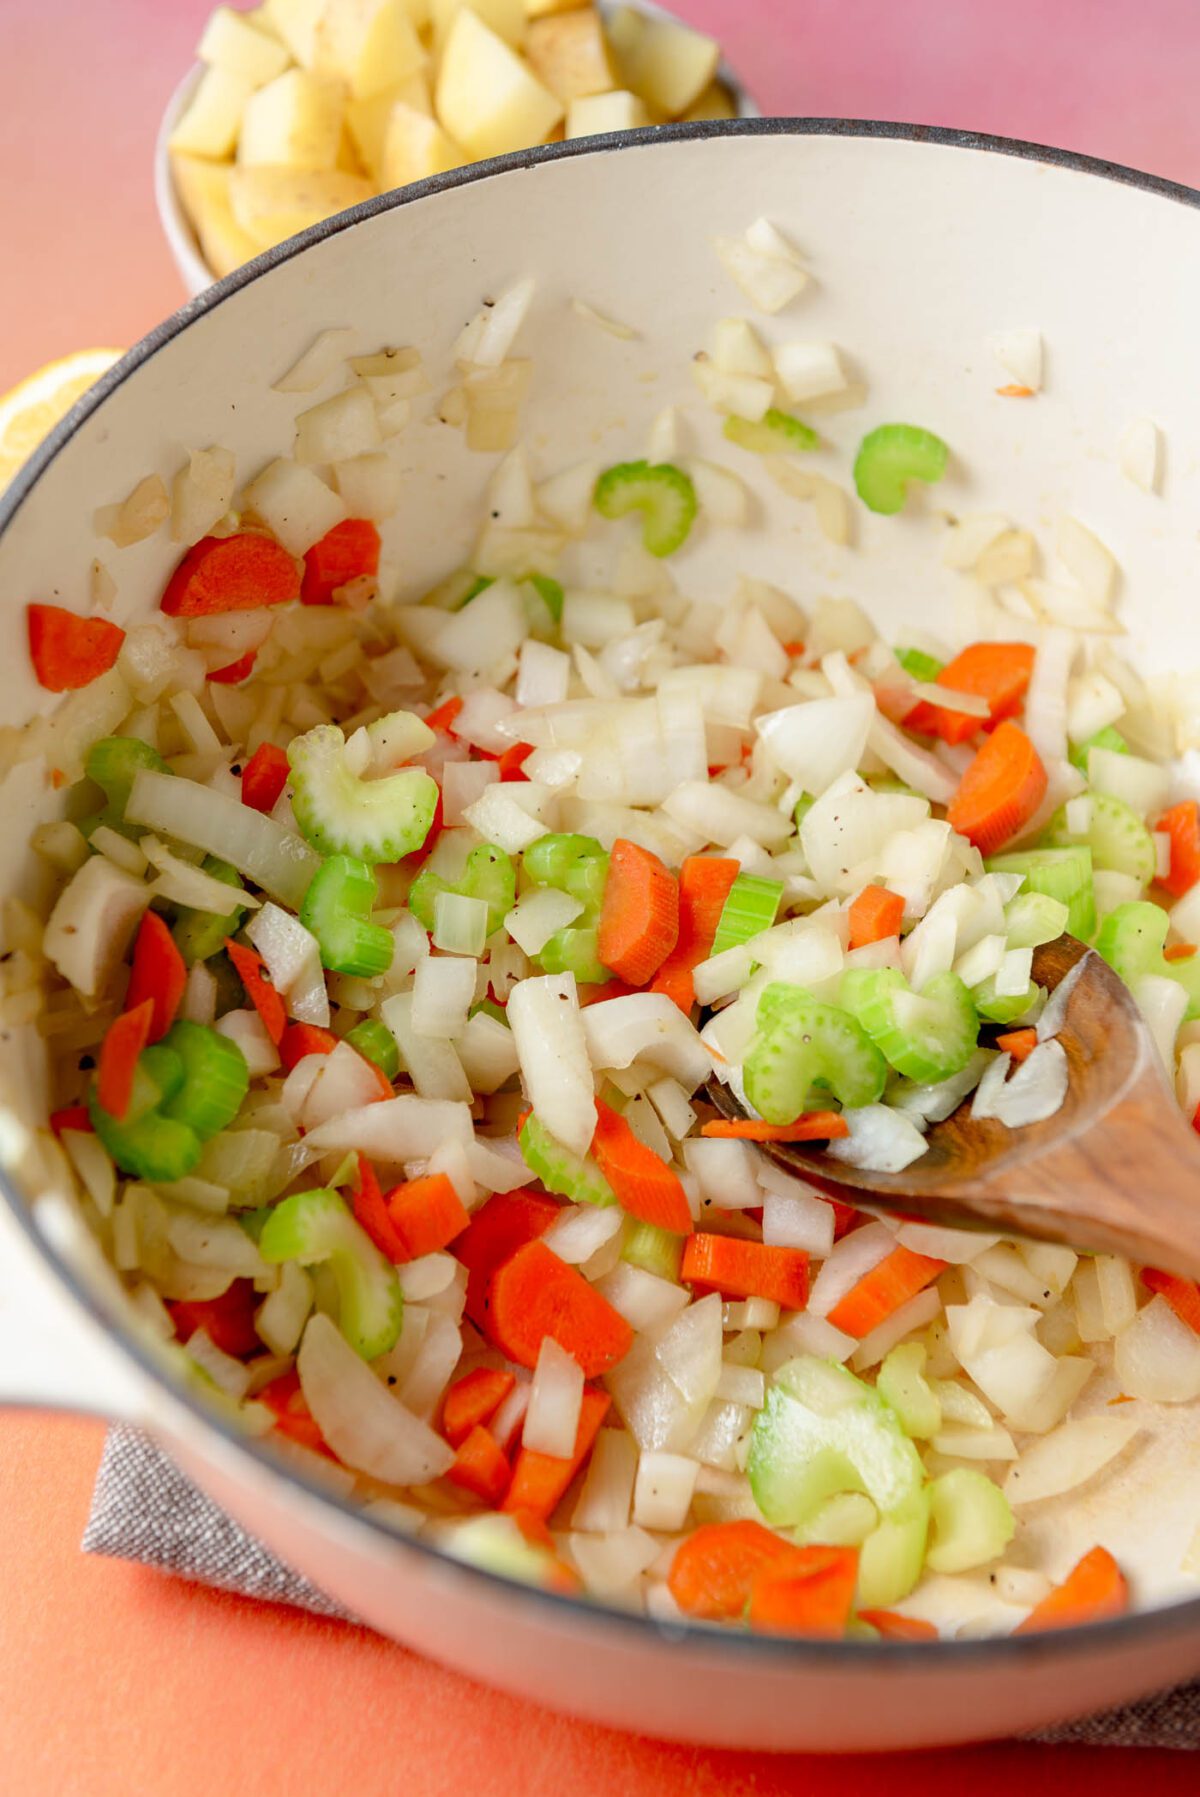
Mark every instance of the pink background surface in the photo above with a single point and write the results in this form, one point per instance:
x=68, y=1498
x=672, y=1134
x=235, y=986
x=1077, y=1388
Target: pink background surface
x=115, y=1681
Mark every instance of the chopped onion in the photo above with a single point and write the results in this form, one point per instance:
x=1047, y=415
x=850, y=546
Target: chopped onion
x=1035, y=1091
x=662, y=1494
x=604, y=1501
x=1054, y=1015
x=690, y=1351
x=555, y=1397
x=580, y=1229
x=293, y=958
x=798, y=1220
x=344, y=1081
x=815, y=743
x=1088, y=560
x=460, y=928
x=566, y=498
x=809, y=370
x=538, y=914
x=338, y=428
x=322, y=358
x=201, y=494
x=363, y=1423
x=275, y=858
x=227, y=1374
x=958, y=1247
x=1158, y=1357
x=553, y=1050
x=645, y=1300
x=280, y=1320
x=463, y=782
x=1140, y=784
x=1070, y=1456
x=136, y=517
x=432, y=1064
x=914, y=1314
x=404, y=1128
x=851, y=1259
x=443, y=992
x=1163, y=1003
x=370, y=486
x=881, y=1140
x=246, y=1028
x=506, y=820
x=1020, y=354
x=183, y=883
x=721, y=816
x=1139, y=453
x=294, y=503
x=805, y=1333
x=543, y=674
x=646, y=1026
x=86, y=1154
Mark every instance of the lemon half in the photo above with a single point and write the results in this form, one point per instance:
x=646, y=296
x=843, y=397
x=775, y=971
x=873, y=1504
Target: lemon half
x=31, y=410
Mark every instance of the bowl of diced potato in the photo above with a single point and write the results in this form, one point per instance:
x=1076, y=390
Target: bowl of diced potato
x=299, y=109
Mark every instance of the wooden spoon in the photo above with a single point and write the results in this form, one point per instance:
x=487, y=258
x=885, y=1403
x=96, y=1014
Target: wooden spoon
x=1116, y=1169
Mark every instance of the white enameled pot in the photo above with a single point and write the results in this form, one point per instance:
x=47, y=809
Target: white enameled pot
x=921, y=243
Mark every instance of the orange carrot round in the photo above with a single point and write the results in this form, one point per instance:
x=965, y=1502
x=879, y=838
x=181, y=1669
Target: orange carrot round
x=124, y=1041
x=741, y=1269
x=536, y=1294
x=1182, y=824
x=505, y=1223
x=348, y=551
x=898, y=1277
x=875, y=915
x=475, y=1398
x=1000, y=791
x=1092, y=1591
x=715, y=1567
x=480, y=1467
x=704, y=883
x=235, y=573
x=645, y=1186
x=810, y=1126
x=996, y=672
x=69, y=651
x=426, y=1214
x=808, y=1591
x=158, y=973
x=639, y=918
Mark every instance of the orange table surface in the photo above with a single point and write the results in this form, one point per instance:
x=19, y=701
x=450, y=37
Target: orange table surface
x=115, y=1681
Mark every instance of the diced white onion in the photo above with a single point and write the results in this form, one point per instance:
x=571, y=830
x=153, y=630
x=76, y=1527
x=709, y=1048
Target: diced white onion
x=607, y=1493
x=1139, y=453
x=293, y=958
x=1158, y=1357
x=1034, y=1092
x=662, y=1494
x=460, y=927
x=1067, y=1458
x=914, y=1314
x=881, y=1140
x=850, y=1260
x=555, y=1397
x=549, y=1032
x=275, y=858
x=646, y=1026
x=246, y=1028
x=690, y=1351
x=538, y=914
x=643, y=1299
x=727, y=1171
x=799, y=1220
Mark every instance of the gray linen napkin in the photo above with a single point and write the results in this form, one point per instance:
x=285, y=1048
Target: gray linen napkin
x=145, y=1509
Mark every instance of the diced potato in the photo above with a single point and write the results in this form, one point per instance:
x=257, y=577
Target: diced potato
x=597, y=113
x=670, y=66
x=231, y=43
x=369, y=44
x=367, y=120
x=624, y=28
x=716, y=102
x=273, y=203
x=505, y=17
x=544, y=9
x=203, y=189
x=293, y=122
x=487, y=98
x=569, y=54
x=296, y=22
x=348, y=160
x=415, y=146
x=210, y=125
x=260, y=18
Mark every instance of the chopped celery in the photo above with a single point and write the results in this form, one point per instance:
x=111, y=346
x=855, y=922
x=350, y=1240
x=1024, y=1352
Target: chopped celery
x=572, y=1176
x=574, y=950
x=1116, y=836
x=215, y=1078
x=822, y=1432
x=1007, y=1009
x=314, y=1227
x=488, y=875
x=750, y=909
x=1064, y=874
x=803, y=806
x=653, y=1249
x=551, y=858
x=801, y=1041
x=1033, y=918
x=155, y=1147
x=577, y=865
x=340, y=813
x=489, y=1008
x=201, y=934
x=971, y=1521
x=375, y=1042
x=337, y=908
x=1108, y=738
x=114, y=763
x=843, y=1520
x=551, y=594
x=1131, y=940
x=892, y=455
x=920, y=665
x=900, y=1383
x=891, y=1558
x=662, y=493
x=775, y=433
x=927, y=1035
x=479, y=584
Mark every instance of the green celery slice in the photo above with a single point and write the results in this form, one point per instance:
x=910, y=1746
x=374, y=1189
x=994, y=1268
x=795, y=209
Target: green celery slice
x=340, y=813
x=315, y=1227
x=572, y=1176
x=972, y=1522
x=653, y=1249
x=920, y=665
x=844, y=1520
x=890, y=1559
x=927, y=1035
x=114, y=763
x=337, y=908
x=1034, y=918
x=201, y=934
x=1117, y=837
x=750, y=908
x=488, y=875
x=215, y=1078
x=901, y=1382
x=801, y=1041
x=375, y=1042
x=775, y=433
x=1007, y=1009
x=1064, y=874
x=1131, y=940
x=892, y=455
x=662, y=493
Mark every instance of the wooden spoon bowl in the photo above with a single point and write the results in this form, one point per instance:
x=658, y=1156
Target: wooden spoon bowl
x=1116, y=1169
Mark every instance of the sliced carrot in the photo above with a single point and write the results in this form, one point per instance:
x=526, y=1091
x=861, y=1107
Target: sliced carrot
x=228, y=1321
x=1179, y=951
x=69, y=651
x=252, y=971
x=512, y=762
x=1092, y=1591
x=646, y=1187
x=808, y=1591
x=875, y=915
x=894, y=1627
x=505, y=1223
x=158, y=973
x=345, y=553
x=811, y=1126
x=1183, y=1295
x=72, y=1116
x=264, y=777
x=535, y=1294
x=793, y=648
x=743, y=1269
x=473, y=1399
x=1020, y=1044
x=124, y=1041
x=845, y=1218
x=639, y=919
x=539, y=1480
x=1015, y=390
x=373, y=1215
x=234, y=672
x=898, y=1277
x=1000, y=791
x=426, y=1214
x=442, y=716
x=480, y=1467
x=1182, y=825
x=293, y=1418
x=301, y=1039
x=599, y=995
x=236, y=573
x=996, y=672
x=704, y=882
x=715, y=1567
